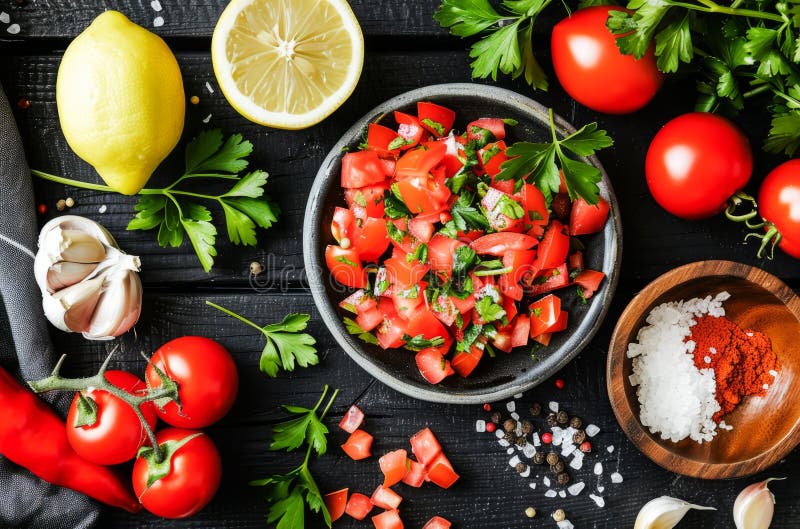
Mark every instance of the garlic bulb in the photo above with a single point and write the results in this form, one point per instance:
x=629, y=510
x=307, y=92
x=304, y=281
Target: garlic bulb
x=664, y=513
x=88, y=284
x=754, y=506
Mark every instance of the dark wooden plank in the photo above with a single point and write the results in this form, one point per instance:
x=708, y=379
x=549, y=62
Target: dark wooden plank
x=489, y=494
x=654, y=240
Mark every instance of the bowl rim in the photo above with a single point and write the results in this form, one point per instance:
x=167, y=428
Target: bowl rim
x=593, y=318
x=616, y=378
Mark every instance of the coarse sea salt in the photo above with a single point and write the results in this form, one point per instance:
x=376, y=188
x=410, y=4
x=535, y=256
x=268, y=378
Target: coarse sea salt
x=616, y=477
x=592, y=430
x=576, y=488
x=610, y=448
x=677, y=399
x=553, y=405
x=528, y=450
x=562, y=494
x=565, y=524
x=546, y=481
x=511, y=406
x=598, y=468
x=550, y=494
x=532, y=485
x=598, y=500
x=480, y=426
x=510, y=450
x=600, y=488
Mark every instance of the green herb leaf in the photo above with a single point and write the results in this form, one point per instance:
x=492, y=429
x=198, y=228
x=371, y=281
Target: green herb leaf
x=489, y=310
x=465, y=216
x=354, y=329
x=463, y=259
x=435, y=125
x=418, y=343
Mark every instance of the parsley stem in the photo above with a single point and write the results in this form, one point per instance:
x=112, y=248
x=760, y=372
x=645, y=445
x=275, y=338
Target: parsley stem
x=234, y=315
x=330, y=402
x=494, y=272
x=709, y=6
x=70, y=182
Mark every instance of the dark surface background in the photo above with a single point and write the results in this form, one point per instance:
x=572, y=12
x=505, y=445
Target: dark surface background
x=405, y=49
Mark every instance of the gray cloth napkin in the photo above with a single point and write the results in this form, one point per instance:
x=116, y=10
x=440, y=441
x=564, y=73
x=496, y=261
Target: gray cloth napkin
x=25, y=348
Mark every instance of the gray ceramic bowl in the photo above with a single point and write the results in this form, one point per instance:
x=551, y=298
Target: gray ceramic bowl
x=495, y=378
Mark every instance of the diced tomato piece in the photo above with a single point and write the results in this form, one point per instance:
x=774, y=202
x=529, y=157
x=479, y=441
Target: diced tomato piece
x=585, y=219
x=403, y=274
x=553, y=249
x=361, y=168
x=358, y=506
x=544, y=314
x=371, y=240
x=499, y=244
x=561, y=322
x=575, y=261
x=543, y=339
x=441, y=250
x=394, y=467
x=550, y=280
x=408, y=128
x=406, y=306
x=369, y=319
x=369, y=197
x=358, y=445
x=520, y=262
x=336, y=502
x=521, y=331
x=390, y=333
x=388, y=520
x=425, y=446
x=442, y=118
x=426, y=323
x=379, y=138
x=420, y=161
x=535, y=206
x=432, y=364
x=421, y=228
x=389, y=166
x=444, y=309
x=490, y=158
x=452, y=161
x=440, y=472
x=589, y=281
x=494, y=125
x=464, y=305
x=418, y=193
x=495, y=202
x=342, y=224
x=345, y=266
x=437, y=522
x=386, y=498
x=502, y=341
x=508, y=288
x=351, y=302
x=416, y=474
x=464, y=363
x=352, y=420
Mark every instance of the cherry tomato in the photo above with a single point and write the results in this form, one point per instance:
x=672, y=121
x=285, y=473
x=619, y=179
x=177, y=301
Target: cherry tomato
x=591, y=68
x=117, y=434
x=192, y=480
x=695, y=163
x=206, y=376
x=779, y=204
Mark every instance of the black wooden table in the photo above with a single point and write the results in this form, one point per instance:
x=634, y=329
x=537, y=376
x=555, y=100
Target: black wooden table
x=405, y=49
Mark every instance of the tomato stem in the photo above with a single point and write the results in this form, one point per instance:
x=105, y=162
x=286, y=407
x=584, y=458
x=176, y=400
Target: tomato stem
x=736, y=200
x=772, y=237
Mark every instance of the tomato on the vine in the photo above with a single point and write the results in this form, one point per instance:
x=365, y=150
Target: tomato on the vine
x=206, y=376
x=593, y=70
x=779, y=205
x=695, y=163
x=183, y=483
x=116, y=433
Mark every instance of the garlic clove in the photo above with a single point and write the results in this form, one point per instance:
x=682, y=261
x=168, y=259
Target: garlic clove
x=664, y=513
x=73, y=245
x=63, y=274
x=71, y=308
x=119, y=307
x=754, y=506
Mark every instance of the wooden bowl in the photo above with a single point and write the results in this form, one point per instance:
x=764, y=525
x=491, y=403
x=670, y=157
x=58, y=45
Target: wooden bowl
x=765, y=429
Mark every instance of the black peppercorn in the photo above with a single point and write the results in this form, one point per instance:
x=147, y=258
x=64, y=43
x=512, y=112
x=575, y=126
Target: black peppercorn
x=579, y=437
x=552, y=458
x=551, y=420
x=576, y=423
x=539, y=458
x=496, y=417
x=563, y=478
x=562, y=417
x=509, y=425
x=527, y=427
x=521, y=441
x=558, y=467
x=521, y=467
x=510, y=438
x=536, y=409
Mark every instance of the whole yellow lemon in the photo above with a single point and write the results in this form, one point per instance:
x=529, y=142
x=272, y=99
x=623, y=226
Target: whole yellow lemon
x=120, y=100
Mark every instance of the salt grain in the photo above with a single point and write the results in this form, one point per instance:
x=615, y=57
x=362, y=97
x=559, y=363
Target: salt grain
x=553, y=406
x=4, y=17
x=536, y=440
x=610, y=449
x=598, y=500
x=503, y=443
x=518, y=396
x=562, y=494
x=102, y=209
x=565, y=524
x=598, y=468
x=765, y=386
x=207, y=118
x=707, y=359
x=773, y=373
x=13, y=29
x=616, y=477
x=511, y=406
x=600, y=488
x=546, y=481
x=156, y=5
x=532, y=485
x=576, y=488
x=592, y=430
x=525, y=473
x=515, y=416
x=550, y=494
x=712, y=350
x=480, y=426
x=158, y=22
x=510, y=450
x=577, y=461
x=208, y=87
x=528, y=450
x=514, y=461
x=499, y=434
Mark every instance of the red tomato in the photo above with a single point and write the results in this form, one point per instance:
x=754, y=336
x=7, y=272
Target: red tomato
x=779, y=204
x=394, y=468
x=371, y=240
x=426, y=323
x=425, y=446
x=550, y=280
x=561, y=323
x=451, y=161
x=437, y=522
x=440, y=252
x=432, y=365
x=345, y=266
x=439, y=116
x=495, y=203
x=419, y=162
x=464, y=363
x=358, y=506
x=394, y=327
x=520, y=262
x=494, y=125
x=386, y=498
x=336, y=502
x=358, y=445
x=592, y=70
x=589, y=281
x=206, y=376
x=544, y=314
x=416, y=474
x=361, y=168
x=343, y=223
x=521, y=331
x=421, y=228
x=553, y=249
x=491, y=157
x=500, y=243
x=585, y=219
x=543, y=338
x=379, y=138
x=368, y=197
x=408, y=128
x=368, y=319
x=535, y=205
x=403, y=274
x=695, y=163
x=388, y=520
x=575, y=261
x=352, y=420
x=502, y=341
x=419, y=192
x=441, y=472
x=117, y=433
x=193, y=479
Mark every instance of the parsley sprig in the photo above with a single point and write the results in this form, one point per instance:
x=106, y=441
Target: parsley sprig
x=289, y=494
x=286, y=345
x=174, y=211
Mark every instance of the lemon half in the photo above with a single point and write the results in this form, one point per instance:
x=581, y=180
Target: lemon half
x=287, y=63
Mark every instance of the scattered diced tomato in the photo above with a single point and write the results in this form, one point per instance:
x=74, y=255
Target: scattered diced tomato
x=436, y=115
x=336, y=502
x=589, y=281
x=575, y=261
x=352, y=420
x=394, y=467
x=405, y=274
x=369, y=319
x=419, y=193
x=371, y=239
x=497, y=204
x=440, y=252
x=386, y=498
x=343, y=223
x=437, y=522
x=351, y=302
x=425, y=323
x=441, y=473
x=369, y=197
x=425, y=446
x=358, y=506
x=358, y=445
x=585, y=219
x=416, y=474
x=491, y=157
x=361, y=168
x=561, y=323
x=345, y=266
x=502, y=341
x=421, y=228
x=535, y=206
x=543, y=339
x=388, y=520
x=409, y=129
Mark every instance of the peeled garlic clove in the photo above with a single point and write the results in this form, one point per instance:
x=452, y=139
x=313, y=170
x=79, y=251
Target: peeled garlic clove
x=118, y=308
x=64, y=274
x=75, y=246
x=71, y=308
x=664, y=513
x=754, y=506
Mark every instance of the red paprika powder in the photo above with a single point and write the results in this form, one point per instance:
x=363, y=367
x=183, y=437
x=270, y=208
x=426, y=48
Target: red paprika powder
x=741, y=360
